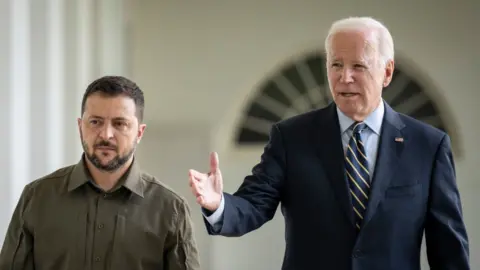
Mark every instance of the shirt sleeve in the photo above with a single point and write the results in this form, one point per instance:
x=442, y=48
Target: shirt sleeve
x=182, y=251
x=215, y=219
x=17, y=250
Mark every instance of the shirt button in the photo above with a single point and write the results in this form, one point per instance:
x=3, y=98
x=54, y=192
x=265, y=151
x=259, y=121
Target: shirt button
x=97, y=259
x=100, y=226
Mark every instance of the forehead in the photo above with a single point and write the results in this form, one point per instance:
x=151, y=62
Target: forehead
x=353, y=45
x=100, y=105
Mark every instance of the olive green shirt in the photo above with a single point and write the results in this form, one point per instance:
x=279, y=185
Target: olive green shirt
x=62, y=221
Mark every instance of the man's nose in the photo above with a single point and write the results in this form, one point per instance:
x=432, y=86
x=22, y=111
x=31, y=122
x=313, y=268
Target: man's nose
x=106, y=132
x=346, y=76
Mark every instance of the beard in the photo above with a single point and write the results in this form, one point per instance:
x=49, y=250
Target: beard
x=117, y=162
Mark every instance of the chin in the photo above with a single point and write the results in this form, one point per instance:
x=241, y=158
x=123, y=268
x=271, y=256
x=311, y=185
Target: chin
x=104, y=162
x=352, y=110
x=348, y=106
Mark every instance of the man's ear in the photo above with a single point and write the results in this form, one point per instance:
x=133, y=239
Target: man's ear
x=141, y=131
x=389, y=68
x=79, y=124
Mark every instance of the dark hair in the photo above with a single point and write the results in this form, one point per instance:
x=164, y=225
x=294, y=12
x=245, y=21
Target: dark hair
x=113, y=86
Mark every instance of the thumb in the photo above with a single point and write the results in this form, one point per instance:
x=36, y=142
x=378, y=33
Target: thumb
x=213, y=162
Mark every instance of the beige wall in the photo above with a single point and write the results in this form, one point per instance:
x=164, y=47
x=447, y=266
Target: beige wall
x=199, y=62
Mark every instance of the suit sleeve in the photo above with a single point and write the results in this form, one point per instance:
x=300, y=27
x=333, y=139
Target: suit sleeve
x=445, y=232
x=17, y=249
x=182, y=251
x=257, y=199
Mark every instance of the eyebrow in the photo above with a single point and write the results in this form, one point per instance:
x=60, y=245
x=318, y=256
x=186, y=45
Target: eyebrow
x=120, y=118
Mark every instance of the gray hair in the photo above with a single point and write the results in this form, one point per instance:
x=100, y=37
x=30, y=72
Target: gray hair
x=383, y=38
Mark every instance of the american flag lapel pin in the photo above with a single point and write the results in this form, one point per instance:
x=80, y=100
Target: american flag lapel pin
x=399, y=139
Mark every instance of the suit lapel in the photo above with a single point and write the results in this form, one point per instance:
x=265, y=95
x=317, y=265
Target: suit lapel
x=328, y=139
x=388, y=157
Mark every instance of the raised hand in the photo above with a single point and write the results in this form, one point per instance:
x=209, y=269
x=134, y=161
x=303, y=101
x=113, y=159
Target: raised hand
x=207, y=187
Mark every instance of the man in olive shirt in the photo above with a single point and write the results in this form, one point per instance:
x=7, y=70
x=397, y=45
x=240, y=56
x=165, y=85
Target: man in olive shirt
x=104, y=212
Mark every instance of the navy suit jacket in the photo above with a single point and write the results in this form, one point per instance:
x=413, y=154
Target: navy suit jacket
x=413, y=191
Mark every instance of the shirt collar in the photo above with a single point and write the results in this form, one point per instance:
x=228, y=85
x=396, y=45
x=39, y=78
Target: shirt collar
x=373, y=121
x=132, y=179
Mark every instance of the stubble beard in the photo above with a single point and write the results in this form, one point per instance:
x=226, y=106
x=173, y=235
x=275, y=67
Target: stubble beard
x=117, y=162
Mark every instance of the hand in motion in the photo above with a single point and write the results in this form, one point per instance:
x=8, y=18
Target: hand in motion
x=207, y=187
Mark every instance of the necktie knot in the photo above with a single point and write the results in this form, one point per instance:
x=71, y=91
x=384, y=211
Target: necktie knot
x=359, y=127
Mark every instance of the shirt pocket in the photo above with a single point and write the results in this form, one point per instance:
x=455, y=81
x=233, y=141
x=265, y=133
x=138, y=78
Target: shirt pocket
x=135, y=246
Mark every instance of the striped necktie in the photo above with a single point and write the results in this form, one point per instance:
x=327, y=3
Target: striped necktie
x=356, y=165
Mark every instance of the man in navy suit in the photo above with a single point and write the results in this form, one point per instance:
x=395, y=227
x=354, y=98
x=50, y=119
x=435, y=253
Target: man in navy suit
x=359, y=184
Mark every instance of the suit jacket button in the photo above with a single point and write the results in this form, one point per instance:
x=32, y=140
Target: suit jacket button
x=357, y=253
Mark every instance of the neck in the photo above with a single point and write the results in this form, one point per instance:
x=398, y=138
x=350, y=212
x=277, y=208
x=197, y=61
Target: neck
x=107, y=180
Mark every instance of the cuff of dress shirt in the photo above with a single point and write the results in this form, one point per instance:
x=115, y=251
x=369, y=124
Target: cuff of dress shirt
x=216, y=216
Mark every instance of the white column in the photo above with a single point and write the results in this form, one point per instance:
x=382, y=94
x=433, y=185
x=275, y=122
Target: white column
x=15, y=104
x=38, y=119
x=47, y=87
x=112, y=37
x=19, y=86
x=6, y=19
x=85, y=19
x=55, y=86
